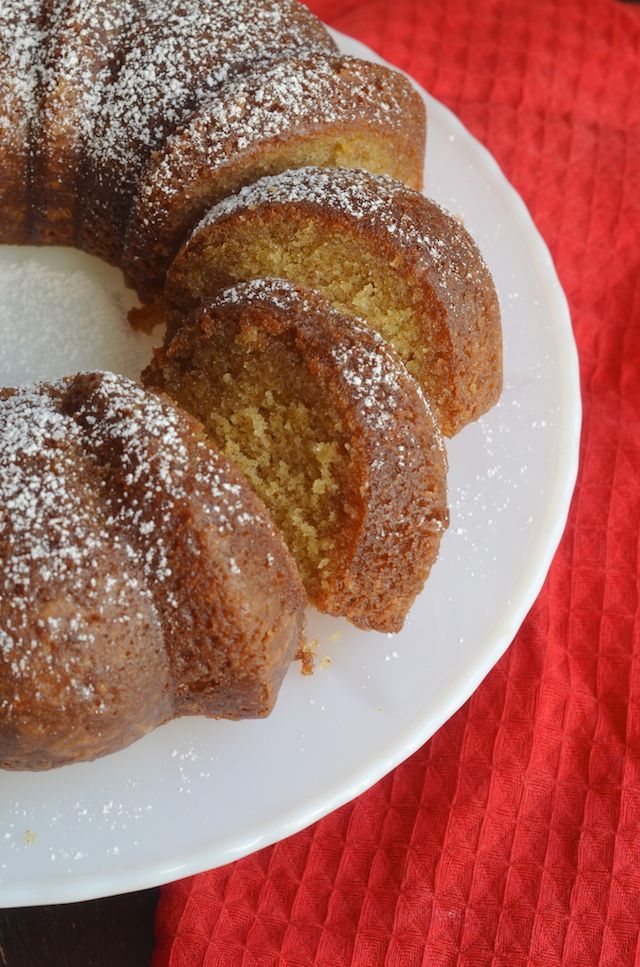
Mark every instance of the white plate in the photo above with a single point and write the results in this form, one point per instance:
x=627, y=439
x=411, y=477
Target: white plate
x=196, y=794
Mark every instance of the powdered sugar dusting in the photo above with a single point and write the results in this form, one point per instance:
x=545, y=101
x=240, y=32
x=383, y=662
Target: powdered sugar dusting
x=274, y=100
x=377, y=203
x=150, y=436
x=278, y=103
x=92, y=472
x=81, y=50
x=54, y=542
x=21, y=37
x=180, y=52
x=279, y=293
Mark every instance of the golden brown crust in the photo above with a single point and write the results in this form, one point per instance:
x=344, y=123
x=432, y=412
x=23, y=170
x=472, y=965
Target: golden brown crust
x=83, y=45
x=178, y=55
x=20, y=36
x=397, y=460
x=97, y=93
x=140, y=579
x=318, y=109
x=427, y=247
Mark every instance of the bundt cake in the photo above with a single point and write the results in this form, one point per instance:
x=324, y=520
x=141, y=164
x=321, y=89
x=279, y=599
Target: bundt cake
x=332, y=432
x=375, y=249
x=318, y=109
x=140, y=578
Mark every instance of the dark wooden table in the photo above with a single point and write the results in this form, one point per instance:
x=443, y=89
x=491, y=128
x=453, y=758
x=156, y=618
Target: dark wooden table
x=115, y=932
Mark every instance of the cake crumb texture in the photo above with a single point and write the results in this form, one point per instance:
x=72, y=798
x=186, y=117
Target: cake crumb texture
x=332, y=432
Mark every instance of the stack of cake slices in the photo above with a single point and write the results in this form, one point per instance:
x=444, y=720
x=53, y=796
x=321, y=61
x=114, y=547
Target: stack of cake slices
x=328, y=326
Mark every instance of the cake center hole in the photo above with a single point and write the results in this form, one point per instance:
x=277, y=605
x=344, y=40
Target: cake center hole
x=62, y=312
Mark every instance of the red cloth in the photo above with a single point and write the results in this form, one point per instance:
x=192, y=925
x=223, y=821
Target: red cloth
x=513, y=836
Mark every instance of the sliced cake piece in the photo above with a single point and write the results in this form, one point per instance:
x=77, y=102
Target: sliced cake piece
x=375, y=249
x=325, y=422
x=314, y=109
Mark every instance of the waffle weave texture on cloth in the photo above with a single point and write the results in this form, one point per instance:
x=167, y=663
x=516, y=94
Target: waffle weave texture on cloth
x=513, y=836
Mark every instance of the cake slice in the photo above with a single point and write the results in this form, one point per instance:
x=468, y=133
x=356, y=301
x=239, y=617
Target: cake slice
x=376, y=249
x=327, y=425
x=313, y=109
